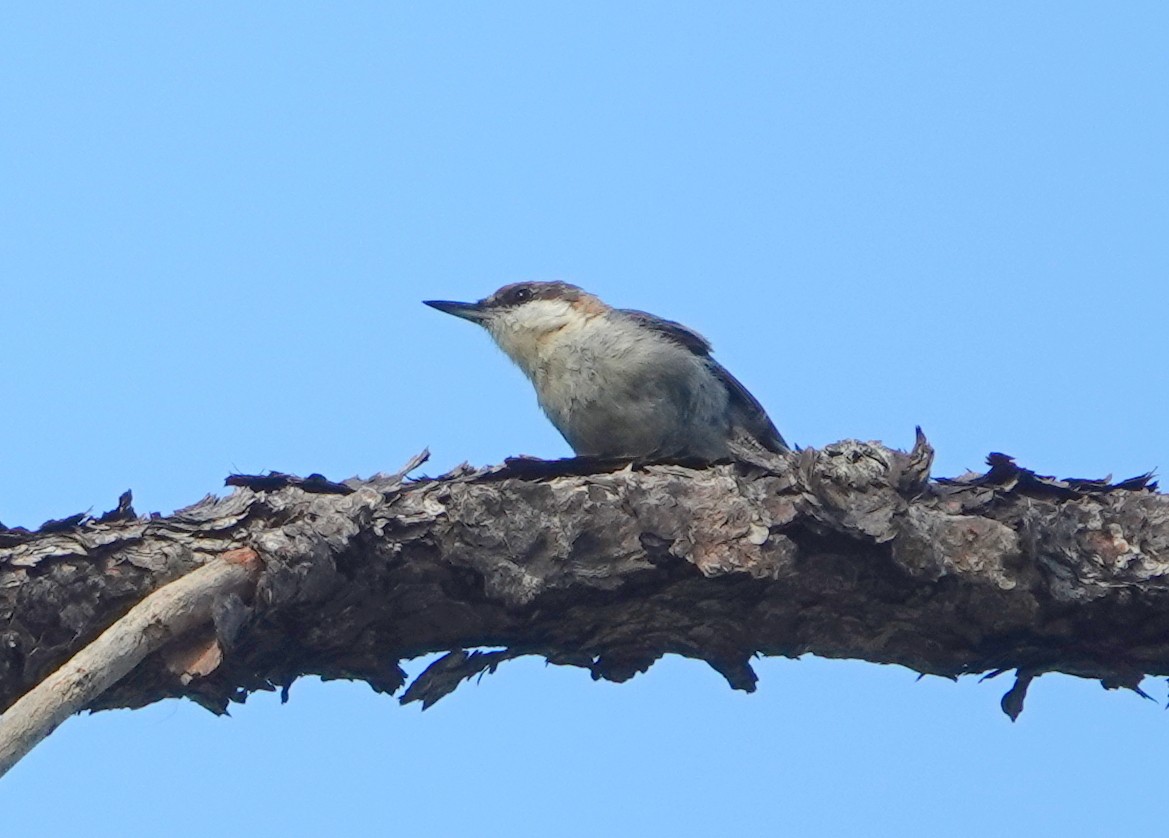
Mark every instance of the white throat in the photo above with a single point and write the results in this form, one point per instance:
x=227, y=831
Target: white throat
x=531, y=332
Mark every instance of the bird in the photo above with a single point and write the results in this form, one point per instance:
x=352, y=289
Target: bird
x=621, y=383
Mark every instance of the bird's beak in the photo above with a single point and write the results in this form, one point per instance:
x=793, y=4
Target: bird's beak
x=475, y=312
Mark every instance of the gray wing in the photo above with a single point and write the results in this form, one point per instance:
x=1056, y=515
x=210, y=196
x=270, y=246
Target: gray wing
x=689, y=338
x=749, y=414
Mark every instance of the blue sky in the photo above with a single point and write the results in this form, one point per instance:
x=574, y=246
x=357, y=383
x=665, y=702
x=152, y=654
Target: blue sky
x=217, y=223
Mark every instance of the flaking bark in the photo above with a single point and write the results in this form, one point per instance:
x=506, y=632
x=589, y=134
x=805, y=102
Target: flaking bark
x=849, y=552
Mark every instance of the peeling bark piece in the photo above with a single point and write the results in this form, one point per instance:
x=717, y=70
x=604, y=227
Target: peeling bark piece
x=275, y=480
x=445, y=674
x=1012, y=702
x=123, y=512
x=195, y=659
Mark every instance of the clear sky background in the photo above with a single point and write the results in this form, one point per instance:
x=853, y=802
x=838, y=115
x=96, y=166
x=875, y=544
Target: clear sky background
x=217, y=221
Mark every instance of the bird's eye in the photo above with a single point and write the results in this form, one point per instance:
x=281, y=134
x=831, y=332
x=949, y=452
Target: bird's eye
x=522, y=295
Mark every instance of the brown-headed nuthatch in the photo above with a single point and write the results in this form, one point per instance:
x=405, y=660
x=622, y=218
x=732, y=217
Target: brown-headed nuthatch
x=622, y=383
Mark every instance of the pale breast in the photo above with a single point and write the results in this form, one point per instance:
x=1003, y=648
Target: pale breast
x=625, y=392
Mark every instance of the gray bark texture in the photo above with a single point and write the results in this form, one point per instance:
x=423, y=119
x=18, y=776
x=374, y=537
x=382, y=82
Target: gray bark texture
x=846, y=552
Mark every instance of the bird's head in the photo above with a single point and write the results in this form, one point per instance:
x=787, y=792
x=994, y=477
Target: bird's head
x=524, y=316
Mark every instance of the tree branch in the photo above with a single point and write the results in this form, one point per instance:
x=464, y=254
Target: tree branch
x=850, y=551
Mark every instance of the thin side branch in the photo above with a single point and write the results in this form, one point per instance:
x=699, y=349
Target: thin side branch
x=166, y=614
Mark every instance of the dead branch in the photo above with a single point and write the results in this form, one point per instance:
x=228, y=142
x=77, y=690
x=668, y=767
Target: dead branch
x=850, y=551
